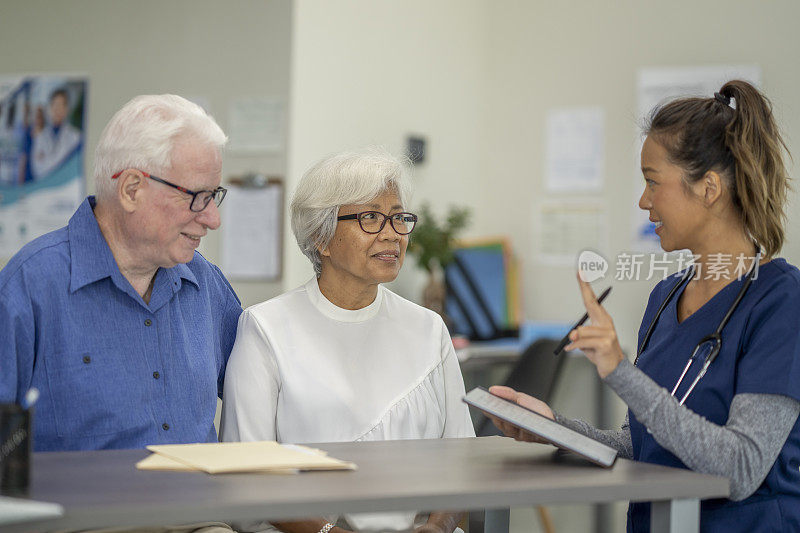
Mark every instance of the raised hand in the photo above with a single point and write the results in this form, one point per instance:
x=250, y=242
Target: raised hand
x=599, y=339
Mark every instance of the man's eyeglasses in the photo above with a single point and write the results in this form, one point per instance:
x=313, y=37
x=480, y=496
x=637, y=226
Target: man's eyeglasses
x=200, y=199
x=374, y=221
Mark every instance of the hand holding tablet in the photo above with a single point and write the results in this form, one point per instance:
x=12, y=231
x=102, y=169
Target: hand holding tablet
x=526, y=401
x=528, y=425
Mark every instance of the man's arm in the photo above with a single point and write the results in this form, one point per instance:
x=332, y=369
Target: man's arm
x=228, y=325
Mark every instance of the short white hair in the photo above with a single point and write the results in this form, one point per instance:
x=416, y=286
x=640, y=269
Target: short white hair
x=342, y=179
x=143, y=133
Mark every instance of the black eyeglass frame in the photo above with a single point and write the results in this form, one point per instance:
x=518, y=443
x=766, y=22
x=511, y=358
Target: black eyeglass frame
x=390, y=218
x=219, y=192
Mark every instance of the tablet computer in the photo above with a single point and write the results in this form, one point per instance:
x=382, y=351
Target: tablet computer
x=551, y=431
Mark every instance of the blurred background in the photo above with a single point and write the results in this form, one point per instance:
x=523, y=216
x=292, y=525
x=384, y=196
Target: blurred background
x=505, y=94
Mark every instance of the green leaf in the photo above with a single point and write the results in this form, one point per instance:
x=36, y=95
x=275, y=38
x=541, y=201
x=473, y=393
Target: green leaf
x=431, y=242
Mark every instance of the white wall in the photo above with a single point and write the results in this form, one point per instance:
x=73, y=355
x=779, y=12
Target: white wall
x=195, y=48
x=476, y=77
x=551, y=54
x=373, y=72
x=479, y=77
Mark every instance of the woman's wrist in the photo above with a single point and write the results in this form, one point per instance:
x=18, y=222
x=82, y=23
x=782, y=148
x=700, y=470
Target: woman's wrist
x=442, y=522
x=319, y=525
x=606, y=368
x=614, y=374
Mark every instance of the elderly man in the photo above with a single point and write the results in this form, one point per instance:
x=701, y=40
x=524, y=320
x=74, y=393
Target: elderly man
x=122, y=326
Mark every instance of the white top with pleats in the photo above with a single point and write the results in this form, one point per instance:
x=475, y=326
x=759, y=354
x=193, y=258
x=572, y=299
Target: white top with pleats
x=303, y=370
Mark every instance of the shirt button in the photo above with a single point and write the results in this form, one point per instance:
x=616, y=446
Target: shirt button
x=87, y=359
x=148, y=322
x=156, y=375
x=165, y=426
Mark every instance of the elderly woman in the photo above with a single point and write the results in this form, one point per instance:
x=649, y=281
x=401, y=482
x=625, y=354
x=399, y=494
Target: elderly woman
x=342, y=358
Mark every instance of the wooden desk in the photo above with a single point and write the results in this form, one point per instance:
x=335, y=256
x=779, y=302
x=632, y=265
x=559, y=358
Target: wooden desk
x=104, y=489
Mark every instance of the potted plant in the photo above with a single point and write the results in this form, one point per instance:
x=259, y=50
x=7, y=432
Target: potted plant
x=432, y=243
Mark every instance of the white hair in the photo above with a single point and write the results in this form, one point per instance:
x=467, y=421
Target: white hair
x=143, y=133
x=341, y=179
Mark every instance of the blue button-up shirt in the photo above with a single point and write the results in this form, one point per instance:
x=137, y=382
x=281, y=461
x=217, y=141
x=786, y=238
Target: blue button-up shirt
x=113, y=371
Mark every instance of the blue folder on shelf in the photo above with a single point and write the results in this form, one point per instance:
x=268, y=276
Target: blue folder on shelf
x=481, y=293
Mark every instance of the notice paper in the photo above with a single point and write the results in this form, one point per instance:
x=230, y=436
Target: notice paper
x=564, y=229
x=575, y=150
x=231, y=457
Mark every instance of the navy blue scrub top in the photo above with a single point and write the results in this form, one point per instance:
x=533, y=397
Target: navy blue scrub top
x=760, y=354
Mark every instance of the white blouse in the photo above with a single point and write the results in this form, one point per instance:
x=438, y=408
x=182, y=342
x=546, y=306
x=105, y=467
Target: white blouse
x=303, y=370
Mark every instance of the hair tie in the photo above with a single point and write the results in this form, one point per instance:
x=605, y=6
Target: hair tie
x=722, y=98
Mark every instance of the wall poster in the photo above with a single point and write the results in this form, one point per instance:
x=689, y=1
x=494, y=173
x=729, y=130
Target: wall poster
x=42, y=144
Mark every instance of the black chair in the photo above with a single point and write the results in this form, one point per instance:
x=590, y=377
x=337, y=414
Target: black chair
x=536, y=373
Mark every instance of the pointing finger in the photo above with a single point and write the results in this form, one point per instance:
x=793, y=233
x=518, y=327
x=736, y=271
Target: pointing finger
x=595, y=310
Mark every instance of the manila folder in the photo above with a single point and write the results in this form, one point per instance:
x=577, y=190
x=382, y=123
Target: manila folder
x=263, y=456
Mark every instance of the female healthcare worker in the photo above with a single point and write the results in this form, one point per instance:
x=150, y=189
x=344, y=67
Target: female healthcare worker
x=715, y=386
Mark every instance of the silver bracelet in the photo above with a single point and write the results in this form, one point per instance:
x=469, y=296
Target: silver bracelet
x=327, y=527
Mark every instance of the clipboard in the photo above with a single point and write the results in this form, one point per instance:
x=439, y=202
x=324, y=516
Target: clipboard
x=553, y=432
x=252, y=228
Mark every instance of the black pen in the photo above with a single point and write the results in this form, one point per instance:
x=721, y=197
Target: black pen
x=579, y=323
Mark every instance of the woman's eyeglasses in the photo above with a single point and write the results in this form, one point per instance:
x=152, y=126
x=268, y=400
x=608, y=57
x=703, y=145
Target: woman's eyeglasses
x=374, y=221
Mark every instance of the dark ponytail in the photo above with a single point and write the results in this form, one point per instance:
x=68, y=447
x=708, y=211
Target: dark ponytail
x=735, y=135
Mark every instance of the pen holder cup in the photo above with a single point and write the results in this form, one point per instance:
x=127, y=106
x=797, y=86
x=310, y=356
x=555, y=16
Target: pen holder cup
x=15, y=449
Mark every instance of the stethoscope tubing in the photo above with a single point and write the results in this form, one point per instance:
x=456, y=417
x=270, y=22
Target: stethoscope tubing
x=716, y=337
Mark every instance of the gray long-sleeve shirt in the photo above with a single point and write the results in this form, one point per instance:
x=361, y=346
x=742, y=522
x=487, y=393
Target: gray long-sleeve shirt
x=743, y=450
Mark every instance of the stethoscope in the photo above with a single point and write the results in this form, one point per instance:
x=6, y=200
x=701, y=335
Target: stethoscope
x=713, y=341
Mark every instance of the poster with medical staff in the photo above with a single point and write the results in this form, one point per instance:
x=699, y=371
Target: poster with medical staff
x=42, y=145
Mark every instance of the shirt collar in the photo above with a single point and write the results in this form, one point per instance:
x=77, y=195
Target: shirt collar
x=91, y=257
x=182, y=271
x=329, y=309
